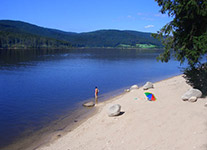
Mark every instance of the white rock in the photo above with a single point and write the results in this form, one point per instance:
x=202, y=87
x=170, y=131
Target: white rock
x=148, y=85
x=127, y=90
x=192, y=99
x=89, y=104
x=114, y=110
x=205, y=105
x=192, y=92
x=134, y=87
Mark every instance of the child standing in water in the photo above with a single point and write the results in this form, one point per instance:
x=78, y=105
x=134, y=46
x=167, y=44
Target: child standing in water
x=96, y=95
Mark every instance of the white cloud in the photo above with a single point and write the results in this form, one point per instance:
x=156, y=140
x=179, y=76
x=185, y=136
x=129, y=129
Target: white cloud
x=160, y=15
x=147, y=19
x=131, y=17
x=140, y=14
x=149, y=26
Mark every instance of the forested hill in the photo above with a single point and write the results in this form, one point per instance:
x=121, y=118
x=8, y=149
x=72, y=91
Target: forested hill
x=17, y=34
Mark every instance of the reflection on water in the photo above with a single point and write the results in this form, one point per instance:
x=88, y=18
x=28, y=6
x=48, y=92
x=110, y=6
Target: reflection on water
x=24, y=57
x=39, y=86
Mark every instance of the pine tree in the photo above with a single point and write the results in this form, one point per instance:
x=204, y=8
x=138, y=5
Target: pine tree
x=186, y=34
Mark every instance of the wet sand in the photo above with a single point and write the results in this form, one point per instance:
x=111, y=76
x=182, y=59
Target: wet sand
x=31, y=140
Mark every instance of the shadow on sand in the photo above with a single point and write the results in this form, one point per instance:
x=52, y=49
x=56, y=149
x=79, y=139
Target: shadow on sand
x=196, y=77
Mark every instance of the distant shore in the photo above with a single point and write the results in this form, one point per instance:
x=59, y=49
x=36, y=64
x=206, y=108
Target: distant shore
x=168, y=123
x=69, y=48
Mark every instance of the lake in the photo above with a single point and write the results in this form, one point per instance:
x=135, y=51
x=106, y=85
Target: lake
x=41, y=86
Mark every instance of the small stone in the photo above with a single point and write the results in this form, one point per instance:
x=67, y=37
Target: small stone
x=59, y=135
x=192, y=99
x=89, y=104
x=134, y=87
x=127, y=90
x=205, y=105
x=148, y=85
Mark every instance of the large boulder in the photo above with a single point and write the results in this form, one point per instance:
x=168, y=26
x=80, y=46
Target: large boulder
x=89, y=104
x=114, y=110
x=148, y=85
x=192, y=93
x=134, y=87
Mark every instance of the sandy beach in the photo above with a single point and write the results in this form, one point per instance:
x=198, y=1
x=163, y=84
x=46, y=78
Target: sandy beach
x=169, y=123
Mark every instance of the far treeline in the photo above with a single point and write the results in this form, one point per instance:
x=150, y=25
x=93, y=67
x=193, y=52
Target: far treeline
x=14, y=40
x=21, y=35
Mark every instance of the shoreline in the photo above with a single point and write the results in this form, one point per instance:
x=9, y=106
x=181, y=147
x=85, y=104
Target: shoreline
x=83, y=133
x=78, y=121
x=62, y=126
x=73, y=48
x=53, y=130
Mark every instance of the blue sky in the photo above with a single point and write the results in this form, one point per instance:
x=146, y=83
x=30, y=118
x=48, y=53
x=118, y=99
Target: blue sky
x=86, y=15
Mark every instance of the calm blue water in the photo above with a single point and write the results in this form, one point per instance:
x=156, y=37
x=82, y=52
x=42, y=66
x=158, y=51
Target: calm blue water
x=37, y=87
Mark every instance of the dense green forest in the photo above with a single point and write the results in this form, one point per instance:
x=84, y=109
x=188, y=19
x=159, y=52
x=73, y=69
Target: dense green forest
x=17, y=34
x=17, y=40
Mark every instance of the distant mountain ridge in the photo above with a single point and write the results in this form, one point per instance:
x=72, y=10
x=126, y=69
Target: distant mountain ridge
x=48, y=38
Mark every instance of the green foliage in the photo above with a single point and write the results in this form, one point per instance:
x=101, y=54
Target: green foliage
x=124, y=46
x=15, y=40
x=137, y=46
x=146, y=46
x=101, y=38
x=113, y=38
x=196, y=77
x=186, y=34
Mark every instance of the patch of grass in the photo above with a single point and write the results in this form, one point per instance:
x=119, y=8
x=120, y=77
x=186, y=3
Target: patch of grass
x=137, y=46
x=125, y=46
x=145, y=46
